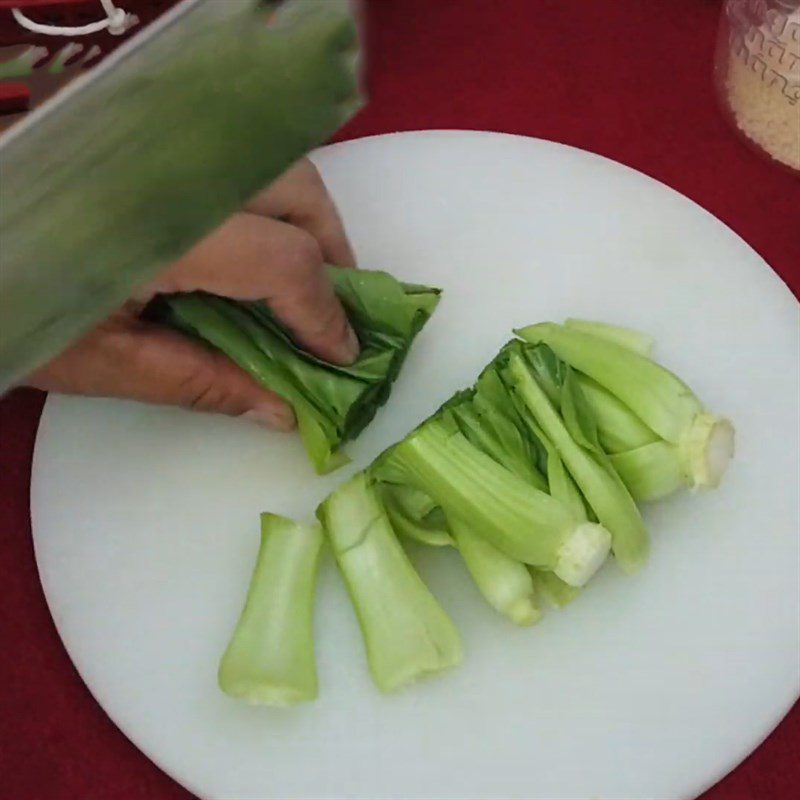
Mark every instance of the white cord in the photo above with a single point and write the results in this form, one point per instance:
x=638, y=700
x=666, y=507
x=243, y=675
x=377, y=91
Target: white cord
x=117, y=21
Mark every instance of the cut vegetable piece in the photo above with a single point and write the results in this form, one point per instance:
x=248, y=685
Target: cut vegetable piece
x=489, y=420
x=660, y=399
x=556, y=592
x=270, y=658
x=706, y=451
x=599, y=484
x=629, y=338
x=506, y=584
x=495, y=434
x=523, y=522
x=560, y=482
x=651, y=472
x=618, y=428
x=406, y=632
x=650, y=467
x=412, y=514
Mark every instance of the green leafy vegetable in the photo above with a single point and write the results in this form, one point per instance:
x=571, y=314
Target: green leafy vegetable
x=633, y=340
x=505, y=583
x=333, y=404
x=415, y=515
x=587, y=464
x=523, y=522
x=406, y=632
x=530, y=474
x=618, y=428
x=660, y=399
x=656, y=429
x=557, y=593
x=489, y=420
x=270, y=658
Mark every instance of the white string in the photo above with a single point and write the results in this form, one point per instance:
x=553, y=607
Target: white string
x=117, y=22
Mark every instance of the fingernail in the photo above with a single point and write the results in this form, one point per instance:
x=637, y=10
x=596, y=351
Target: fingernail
x=351, y=347
x=279, y=419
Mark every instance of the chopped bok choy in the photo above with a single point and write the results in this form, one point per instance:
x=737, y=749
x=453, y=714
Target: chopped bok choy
x=531, y=474
x=522, y=521
x=656, y=431
x=571, y=430
x=504, y=582
x=270, y=658
x=407, y=634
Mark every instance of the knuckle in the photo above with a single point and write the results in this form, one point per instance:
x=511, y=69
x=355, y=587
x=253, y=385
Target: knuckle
x=331, y=320
x=304, y=256
x=201, y=390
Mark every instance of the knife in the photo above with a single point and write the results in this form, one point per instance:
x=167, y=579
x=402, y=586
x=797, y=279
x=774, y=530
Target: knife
x=128, y=166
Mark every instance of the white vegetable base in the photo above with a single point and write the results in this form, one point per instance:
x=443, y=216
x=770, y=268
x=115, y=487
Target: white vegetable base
x=146, y=520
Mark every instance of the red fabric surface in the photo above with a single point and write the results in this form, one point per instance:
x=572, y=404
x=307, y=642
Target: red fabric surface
x=625, y=78
x=26, y=5
x=14, y=97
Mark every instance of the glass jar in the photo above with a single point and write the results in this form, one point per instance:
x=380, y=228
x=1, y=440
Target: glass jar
x=758, y=75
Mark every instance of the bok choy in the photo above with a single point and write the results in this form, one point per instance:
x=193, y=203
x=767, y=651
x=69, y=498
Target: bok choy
x=406, y=632
x=332, y=403
x=524, y=522
x=270, y=658
x=531, y=474
x=572, y=431
x=654, y=427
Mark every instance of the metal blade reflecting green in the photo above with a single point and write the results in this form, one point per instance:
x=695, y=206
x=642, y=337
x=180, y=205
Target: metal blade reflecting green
x=125, y=169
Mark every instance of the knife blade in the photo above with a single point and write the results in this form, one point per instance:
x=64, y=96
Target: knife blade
x=124, y=169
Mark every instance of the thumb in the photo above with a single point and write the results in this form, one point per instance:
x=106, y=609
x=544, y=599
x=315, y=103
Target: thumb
x=140, y=361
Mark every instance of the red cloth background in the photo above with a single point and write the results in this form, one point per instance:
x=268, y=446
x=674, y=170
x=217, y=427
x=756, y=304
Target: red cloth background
x=629, y=79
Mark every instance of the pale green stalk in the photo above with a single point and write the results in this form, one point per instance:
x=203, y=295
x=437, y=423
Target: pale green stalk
x=413, y=514
x=618, y=428
x=406, y=632
x=552, y=589
x=270, y=658
x=523, y=522
x=660, y=399
x=505, y=583
x=602, y=488
x=631, y=339
x=651, y=472
x=645, y=397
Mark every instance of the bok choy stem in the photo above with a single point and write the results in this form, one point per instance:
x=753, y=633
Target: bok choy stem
x=270, y=658
x=406, y=632
x=525, y=523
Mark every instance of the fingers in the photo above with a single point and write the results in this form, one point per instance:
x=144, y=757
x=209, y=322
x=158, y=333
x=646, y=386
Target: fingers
x=129, y=359
x=300, y=197
x=255, y=258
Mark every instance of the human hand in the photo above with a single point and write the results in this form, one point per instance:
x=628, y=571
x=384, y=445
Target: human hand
x=273, y=250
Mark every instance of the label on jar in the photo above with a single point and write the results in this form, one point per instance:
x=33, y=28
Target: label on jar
x=766, y=36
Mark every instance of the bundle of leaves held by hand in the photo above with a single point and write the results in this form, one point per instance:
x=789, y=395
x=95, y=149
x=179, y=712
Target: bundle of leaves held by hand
x=333, y=404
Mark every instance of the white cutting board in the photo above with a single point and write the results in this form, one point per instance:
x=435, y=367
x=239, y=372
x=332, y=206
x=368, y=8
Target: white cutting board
x=146, y=520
